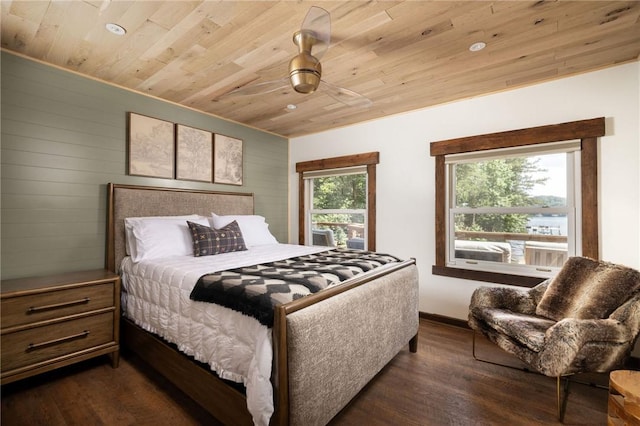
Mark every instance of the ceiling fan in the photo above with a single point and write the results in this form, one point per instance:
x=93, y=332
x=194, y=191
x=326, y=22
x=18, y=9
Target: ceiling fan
x=305, y=70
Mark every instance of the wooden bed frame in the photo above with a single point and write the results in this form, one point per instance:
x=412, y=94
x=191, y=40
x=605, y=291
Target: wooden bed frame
x=292, y=320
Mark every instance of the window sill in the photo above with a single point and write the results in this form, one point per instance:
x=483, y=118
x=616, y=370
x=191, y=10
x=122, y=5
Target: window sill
x=484, y=276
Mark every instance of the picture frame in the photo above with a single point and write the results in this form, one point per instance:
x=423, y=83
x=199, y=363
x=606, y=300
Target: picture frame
x=194, y=154
x=227, y=160
x=151, y=146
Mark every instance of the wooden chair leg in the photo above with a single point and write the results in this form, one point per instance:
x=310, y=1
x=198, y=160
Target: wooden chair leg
x=562, y=390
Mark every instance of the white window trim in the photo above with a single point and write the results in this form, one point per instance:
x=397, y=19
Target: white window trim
x=308, y=202
x=312, y=174
x=572, y=209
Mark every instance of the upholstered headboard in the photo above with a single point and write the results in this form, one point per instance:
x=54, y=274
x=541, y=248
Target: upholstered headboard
x=138, y=201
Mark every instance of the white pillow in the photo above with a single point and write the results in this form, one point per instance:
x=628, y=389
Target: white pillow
x=130, y=241
x=254, y=228
x=161, y=236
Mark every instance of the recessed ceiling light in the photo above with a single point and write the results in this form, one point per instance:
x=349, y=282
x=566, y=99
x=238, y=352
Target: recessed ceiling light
x=476, y=47
x=115, y=29
x=291, y=107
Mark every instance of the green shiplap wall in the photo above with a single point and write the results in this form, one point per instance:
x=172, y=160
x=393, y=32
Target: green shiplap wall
x=64, y=138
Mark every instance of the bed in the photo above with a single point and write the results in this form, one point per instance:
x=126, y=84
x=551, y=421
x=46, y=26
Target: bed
x=319, y=360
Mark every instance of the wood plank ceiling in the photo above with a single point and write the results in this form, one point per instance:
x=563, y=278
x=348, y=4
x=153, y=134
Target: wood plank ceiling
x=401, y=55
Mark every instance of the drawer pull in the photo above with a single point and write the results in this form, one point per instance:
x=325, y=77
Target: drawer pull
x=34, y=309
x=34, y=346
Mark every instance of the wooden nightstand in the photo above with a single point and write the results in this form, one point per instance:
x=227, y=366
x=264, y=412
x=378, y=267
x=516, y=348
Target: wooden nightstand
x=624, y=398
x=53, y=321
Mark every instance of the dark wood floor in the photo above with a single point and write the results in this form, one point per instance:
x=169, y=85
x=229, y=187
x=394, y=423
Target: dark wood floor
x=440, y=385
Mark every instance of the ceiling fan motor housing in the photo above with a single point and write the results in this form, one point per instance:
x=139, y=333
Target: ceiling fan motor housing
x=304, y=73
x=304, y=69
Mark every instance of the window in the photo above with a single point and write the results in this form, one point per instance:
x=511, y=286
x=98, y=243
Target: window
x=514, y=210
x=337, y=201
x=512, y=206
x=337, y=207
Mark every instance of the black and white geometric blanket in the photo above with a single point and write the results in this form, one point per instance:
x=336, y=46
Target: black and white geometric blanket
x=255, y=290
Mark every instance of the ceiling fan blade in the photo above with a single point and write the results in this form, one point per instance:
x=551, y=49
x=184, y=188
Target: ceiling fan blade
x=260, y=88
x=318, y=22
x=346, y=96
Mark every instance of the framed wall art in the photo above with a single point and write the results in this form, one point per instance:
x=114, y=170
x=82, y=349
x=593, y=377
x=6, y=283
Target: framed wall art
x=150, y=146
x=194, y=154
x=227, y=160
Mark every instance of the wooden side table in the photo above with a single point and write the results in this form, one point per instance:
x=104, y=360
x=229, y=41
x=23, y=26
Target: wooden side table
x=624, y=398
x=53, y=321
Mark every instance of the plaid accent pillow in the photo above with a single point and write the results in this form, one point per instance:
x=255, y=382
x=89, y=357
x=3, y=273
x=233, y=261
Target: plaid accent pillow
x=208, y=241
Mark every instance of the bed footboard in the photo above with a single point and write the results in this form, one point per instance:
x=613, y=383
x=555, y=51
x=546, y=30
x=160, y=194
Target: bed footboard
x=334, y=347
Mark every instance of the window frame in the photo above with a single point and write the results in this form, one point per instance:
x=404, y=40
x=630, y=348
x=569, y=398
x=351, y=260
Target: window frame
x=370, y=160
x=571, y=151
x=587, y=131
x=311, y=209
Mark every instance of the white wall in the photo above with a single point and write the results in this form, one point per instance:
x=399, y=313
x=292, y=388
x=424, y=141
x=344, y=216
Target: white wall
x=405, y=180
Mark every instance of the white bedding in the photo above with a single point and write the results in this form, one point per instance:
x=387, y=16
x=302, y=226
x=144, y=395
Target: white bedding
x=237, y=347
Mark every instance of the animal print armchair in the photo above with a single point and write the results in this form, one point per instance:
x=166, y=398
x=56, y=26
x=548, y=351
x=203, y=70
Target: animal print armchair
x=585, y=319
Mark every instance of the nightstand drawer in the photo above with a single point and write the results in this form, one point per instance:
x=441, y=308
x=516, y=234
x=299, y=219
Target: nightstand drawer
x=39, y=344
x=55, y=304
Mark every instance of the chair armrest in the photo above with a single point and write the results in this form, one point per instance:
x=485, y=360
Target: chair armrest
x=564, y=341
x=582, y=331
x=519, y=300
x=629, y=313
